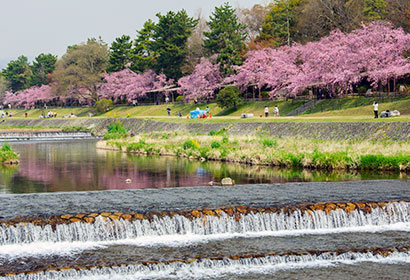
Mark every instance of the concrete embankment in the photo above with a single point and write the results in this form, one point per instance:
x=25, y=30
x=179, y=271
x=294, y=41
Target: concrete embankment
x=318, y=130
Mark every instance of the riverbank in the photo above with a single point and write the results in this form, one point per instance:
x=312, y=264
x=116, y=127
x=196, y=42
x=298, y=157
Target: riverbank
x=261, y=149
x=378, y=130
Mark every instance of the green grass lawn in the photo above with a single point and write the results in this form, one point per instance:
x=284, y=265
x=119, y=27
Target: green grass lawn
x=159, y=112
x=335, y=105
x=403, y=106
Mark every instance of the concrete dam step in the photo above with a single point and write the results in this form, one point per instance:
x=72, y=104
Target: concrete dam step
x=14, y=136
x=217, y=266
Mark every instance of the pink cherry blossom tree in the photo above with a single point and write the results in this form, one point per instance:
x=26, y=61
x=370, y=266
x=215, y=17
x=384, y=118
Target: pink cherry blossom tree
x=29, y=97
x=203, y=82
x=338, y=61
x=129, y=85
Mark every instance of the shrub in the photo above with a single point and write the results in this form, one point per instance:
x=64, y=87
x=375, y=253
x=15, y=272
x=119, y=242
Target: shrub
x=229, y=97
x=204, y=152
x=102, y=106
x=116, y=130
x=191, y=144
x=7, y=153
x=215, y=145
x=179, y=99
x=362, y=89
x=219, y=132
x=269, y=143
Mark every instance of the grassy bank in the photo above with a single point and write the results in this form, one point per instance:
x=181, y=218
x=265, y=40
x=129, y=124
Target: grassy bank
x=7, y=155
x=262, y=150
x=332, y=109
x=357, y=106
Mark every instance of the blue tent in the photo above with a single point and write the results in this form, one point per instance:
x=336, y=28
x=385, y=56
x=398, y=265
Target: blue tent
x=196, y=114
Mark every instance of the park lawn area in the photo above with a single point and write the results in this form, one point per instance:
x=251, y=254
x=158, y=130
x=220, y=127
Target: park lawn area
x=158, y=110
x=258, y=108
x=305, y=118
x=255, y=107
x=403, y=106
x=36, y=113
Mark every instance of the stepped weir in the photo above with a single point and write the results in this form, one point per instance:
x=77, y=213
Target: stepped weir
x=16, y=136
x=74, y=234
x=284, y=231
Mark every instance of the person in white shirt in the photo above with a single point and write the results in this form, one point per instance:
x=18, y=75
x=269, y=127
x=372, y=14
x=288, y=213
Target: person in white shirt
x=376, y=109
x=276, y=111
x=266, y=111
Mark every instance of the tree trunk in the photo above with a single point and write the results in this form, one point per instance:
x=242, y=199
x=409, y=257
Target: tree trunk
x=288, y=22
x=394, y=84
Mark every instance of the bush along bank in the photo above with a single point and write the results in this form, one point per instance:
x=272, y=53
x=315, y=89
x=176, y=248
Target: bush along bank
x=278, y=151
x=7, y=155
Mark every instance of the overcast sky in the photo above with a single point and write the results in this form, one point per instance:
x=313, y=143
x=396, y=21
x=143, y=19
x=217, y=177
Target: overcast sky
x=31, y=27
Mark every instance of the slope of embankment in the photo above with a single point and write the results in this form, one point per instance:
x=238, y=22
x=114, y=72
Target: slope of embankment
x=318, y=130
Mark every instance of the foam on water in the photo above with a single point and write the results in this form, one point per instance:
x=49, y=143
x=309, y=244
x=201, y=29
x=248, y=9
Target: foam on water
x=180, y=231
x=218, y=268
x=71, y=248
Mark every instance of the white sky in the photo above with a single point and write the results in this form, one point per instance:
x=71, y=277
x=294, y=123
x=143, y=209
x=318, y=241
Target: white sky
x=31, y=27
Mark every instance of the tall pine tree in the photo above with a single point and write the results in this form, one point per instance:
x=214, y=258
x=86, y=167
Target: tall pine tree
x=120, y=54
x=162, y=46
x=226, y=37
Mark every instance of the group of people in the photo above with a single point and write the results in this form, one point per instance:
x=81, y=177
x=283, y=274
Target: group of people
x=275, y=111
x=49, y=115
x=6, y=115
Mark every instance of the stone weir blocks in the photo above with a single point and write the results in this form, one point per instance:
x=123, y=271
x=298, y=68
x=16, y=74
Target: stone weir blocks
x=317, y=130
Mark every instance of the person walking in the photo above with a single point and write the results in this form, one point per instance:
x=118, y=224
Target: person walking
x=169, y=111
x=276, y=111
x=167, y=100
x=375, y=109
x=266, y=111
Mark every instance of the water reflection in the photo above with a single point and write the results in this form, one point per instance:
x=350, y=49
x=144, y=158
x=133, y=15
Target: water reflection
x=78, y=166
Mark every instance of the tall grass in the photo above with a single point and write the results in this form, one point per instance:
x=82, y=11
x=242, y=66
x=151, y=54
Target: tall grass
x=7, y=154
x=116, y=130
x=276, y=151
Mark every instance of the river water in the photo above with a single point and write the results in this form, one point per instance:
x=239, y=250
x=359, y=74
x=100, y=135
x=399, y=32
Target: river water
x=56, y=178
x=79, y=166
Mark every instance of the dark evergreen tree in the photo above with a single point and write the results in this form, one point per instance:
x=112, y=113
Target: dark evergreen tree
x=143, y=56
x=170, y=42
x=163, y=46
x=226, y=37
x=43, y=66
x=18, y=73
x=120, y=54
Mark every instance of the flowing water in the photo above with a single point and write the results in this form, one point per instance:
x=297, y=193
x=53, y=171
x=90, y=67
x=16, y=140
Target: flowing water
x=192, y=233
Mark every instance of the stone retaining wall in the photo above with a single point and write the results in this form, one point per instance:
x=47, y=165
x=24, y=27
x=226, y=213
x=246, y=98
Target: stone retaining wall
x=319, y=130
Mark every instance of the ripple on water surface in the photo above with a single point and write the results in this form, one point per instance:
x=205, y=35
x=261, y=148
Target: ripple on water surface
x=79, y=166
